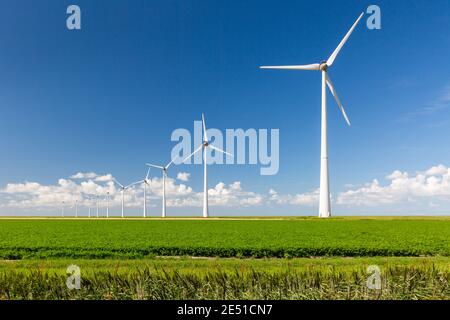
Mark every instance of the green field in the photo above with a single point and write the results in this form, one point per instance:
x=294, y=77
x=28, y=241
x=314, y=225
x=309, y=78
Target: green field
x=117, y=238
x=228, y=278
x=270, y=258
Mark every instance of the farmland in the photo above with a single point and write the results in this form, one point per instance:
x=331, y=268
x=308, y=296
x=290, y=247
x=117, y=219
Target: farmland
x=218, y=278
x=116, y=238
x=271, y=258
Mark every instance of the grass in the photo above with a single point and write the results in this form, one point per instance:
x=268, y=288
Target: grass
x=298, y=237
x=202, y=265
x=298, y=258
x=187, y=278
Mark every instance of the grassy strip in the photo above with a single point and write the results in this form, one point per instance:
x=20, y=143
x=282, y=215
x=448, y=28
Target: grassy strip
x=184, y=278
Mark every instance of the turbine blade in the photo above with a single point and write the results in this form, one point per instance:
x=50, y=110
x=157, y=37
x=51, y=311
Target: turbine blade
x=121, y=185
x=154, y=166
x=134, y=183
x=339, y=47
x=314, y=66
x=148, y=173
x=334, y=93
x=171, y=162
x=220, y=150
x=205, y=135
x=189, y=156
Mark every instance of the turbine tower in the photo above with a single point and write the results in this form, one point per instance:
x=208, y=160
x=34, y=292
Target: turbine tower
x=324, y=204
x=146, y=182
x=164, y=172
x=122, y=189
x=205, y=144
x=107, y=204
x=96, y=198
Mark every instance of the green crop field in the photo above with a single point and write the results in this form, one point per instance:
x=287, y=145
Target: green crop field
x=259, y=258
x=101, y=238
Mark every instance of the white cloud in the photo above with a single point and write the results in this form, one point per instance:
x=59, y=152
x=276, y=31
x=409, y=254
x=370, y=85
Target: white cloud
x=36, y=195
x=233, y=196
x=304, y=199
x=84, y=175
x=437, y=170
x=104, y=178
x=183, y=176
x=433, y=183
x=428, y=188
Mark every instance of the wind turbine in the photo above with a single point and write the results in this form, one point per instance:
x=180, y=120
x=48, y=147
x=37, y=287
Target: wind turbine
x=146, y=182
x=164, y=172
x=76, y=208
x=62, y=209
x=97, y=203
x=205, y=144
x=324, y=204
x=89, y=208
x=122, y=189
x=107, y=204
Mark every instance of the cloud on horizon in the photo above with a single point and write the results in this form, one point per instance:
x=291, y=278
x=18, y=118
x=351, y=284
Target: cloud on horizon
x=430, y=187
x=402, y=187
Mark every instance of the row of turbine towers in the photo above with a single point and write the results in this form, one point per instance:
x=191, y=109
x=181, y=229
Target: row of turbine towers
x=324, y=198
x=145, y=182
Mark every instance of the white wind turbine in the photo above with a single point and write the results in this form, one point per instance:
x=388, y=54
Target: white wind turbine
x=164, y=172
x=324, y=204
x=205, y=144
x=146, y=182
x=122, y=189
x=89, y=206
x=107, y=204
x=96, y=198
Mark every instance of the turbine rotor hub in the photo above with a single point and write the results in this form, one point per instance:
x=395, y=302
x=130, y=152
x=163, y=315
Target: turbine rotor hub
x=323, y=66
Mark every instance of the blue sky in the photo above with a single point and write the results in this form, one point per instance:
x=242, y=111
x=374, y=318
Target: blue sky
x=106, y=98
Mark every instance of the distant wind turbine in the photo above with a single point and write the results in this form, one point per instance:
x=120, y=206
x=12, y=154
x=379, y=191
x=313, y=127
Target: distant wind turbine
x=107, y=204
x=146, y=182
x=324, y=204
x=96, y=198
x=76, y=208
x=164, y=174
x=62, y=209
x=122, y=189
x=205, y=144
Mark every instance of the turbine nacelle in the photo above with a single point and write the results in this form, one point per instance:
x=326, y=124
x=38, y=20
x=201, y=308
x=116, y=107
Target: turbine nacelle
x=323, y=66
